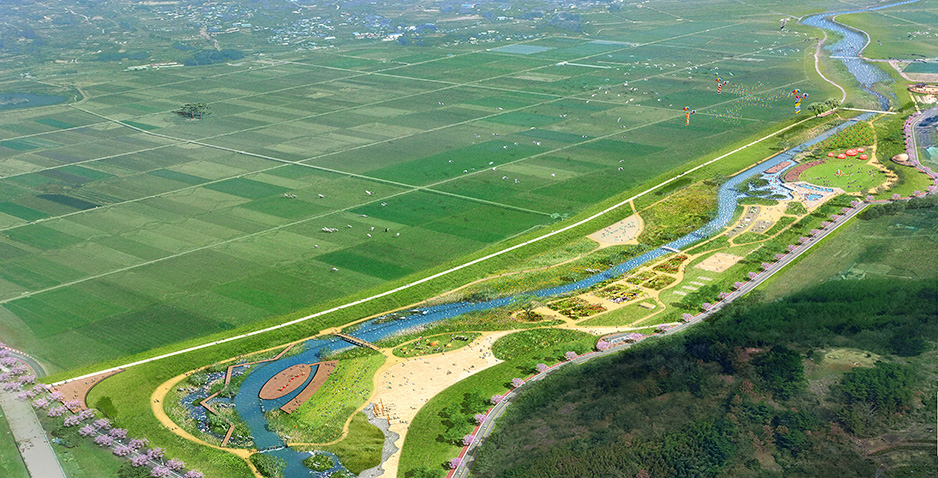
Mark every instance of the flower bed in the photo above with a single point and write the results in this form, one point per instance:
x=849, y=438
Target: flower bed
x=671, y=265
x=619, y=293
x=640, y=277
x=576, y=308
x=659, y=282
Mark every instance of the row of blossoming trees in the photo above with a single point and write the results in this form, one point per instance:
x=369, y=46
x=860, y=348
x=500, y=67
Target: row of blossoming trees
x=15, y=377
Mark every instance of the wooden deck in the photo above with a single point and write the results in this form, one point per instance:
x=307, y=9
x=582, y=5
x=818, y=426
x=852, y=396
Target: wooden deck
x=322, y=373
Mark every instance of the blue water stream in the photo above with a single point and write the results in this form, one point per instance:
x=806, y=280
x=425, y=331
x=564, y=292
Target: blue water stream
x=848, y=49
x=251, y=408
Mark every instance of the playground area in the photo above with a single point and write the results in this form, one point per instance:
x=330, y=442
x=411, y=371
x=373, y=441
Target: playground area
x=625, y=231
x=719, y=262
x=811, y=195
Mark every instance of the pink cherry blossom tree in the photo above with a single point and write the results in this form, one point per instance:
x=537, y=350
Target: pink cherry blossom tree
x=517, y=382
x=160, y=471
x=570, y=355
x=155, y=453
x=138, y=443
x=454, y=463
x=139, y=460
x=495, y=399
x=122, y=450
x=468, y=439
x=104, y=440
x=479, y=418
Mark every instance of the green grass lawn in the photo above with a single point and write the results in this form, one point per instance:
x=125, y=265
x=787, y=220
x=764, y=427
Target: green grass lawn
x=851, y=175
x=445, y=342
x=897, y=244
x=361, y=449
x=624, y=316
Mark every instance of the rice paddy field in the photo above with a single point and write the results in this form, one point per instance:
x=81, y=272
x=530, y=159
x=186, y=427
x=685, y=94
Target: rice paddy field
x=125, y=227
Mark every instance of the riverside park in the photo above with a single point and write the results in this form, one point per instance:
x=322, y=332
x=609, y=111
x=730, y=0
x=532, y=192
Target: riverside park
x=302, y=241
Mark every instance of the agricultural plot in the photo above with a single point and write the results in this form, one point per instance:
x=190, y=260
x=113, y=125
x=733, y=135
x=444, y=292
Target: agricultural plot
x=125, y=227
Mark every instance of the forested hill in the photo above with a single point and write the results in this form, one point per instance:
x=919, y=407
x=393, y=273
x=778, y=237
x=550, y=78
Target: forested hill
x=828, y=382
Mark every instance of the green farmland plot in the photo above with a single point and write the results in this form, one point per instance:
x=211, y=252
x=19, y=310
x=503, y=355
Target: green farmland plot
x=127, y=230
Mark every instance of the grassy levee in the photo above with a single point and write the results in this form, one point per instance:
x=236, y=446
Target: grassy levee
x=425, y=443
x=130, y=391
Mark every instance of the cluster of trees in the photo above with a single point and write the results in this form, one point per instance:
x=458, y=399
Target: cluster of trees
x=194, y=110
x=209, y=57
x=896, y=207
x=459, y=417
x=703, y=403
x=820, y=107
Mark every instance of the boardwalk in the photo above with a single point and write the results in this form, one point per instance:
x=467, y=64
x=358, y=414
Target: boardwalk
x=356, y=341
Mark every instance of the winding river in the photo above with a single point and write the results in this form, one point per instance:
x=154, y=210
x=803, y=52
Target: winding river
x=251, y=408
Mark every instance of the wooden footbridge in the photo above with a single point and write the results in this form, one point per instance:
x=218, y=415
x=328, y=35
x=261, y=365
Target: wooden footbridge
x=356, y=341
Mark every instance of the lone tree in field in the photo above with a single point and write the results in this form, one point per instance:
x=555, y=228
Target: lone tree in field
x=528, y=302
x=197, y=110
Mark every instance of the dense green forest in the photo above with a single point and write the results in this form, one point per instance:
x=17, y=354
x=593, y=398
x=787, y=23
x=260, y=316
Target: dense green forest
x=837, y=380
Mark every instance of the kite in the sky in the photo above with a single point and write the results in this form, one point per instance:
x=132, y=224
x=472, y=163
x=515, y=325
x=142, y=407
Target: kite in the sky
x=720, y=84
x=687, y=113
x=798, y=97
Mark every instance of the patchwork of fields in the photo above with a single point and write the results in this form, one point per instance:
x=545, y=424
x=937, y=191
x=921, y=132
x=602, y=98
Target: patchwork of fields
x=125, y=227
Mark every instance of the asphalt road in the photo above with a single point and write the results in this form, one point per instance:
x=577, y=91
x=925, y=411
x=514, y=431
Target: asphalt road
x=484, y=430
